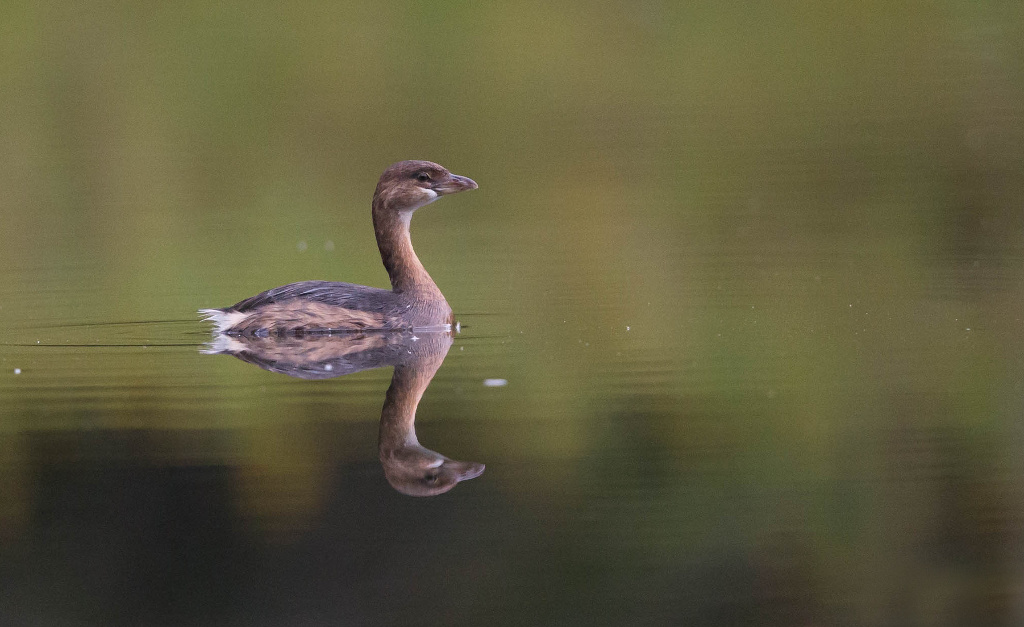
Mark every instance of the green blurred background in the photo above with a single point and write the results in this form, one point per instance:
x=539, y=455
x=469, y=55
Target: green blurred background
x=753, y=273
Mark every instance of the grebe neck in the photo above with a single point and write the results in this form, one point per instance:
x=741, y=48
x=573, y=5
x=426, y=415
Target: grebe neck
x=408, y=276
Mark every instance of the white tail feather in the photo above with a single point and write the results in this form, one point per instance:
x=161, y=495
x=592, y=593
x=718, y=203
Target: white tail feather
x=222, y=320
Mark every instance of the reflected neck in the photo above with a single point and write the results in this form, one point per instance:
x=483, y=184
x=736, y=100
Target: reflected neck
x=398, y=415
x=408, y=276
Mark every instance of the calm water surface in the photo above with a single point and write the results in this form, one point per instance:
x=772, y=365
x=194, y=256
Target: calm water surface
x=753, y=284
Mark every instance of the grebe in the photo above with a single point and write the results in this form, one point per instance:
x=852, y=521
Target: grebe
x=414, y=300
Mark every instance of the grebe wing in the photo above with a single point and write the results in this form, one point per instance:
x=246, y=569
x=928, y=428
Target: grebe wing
x=347, y=295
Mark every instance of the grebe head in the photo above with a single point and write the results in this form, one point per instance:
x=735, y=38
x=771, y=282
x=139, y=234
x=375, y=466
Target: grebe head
x=408, y=185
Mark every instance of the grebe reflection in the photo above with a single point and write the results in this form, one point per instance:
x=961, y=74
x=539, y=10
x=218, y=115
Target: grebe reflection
x=408, y=466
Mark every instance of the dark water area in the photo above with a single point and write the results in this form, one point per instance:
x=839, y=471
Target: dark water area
x=740, y=300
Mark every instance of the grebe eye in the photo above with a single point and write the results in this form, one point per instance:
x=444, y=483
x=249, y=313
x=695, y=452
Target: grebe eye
x=422, y=177
x=430, y=478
